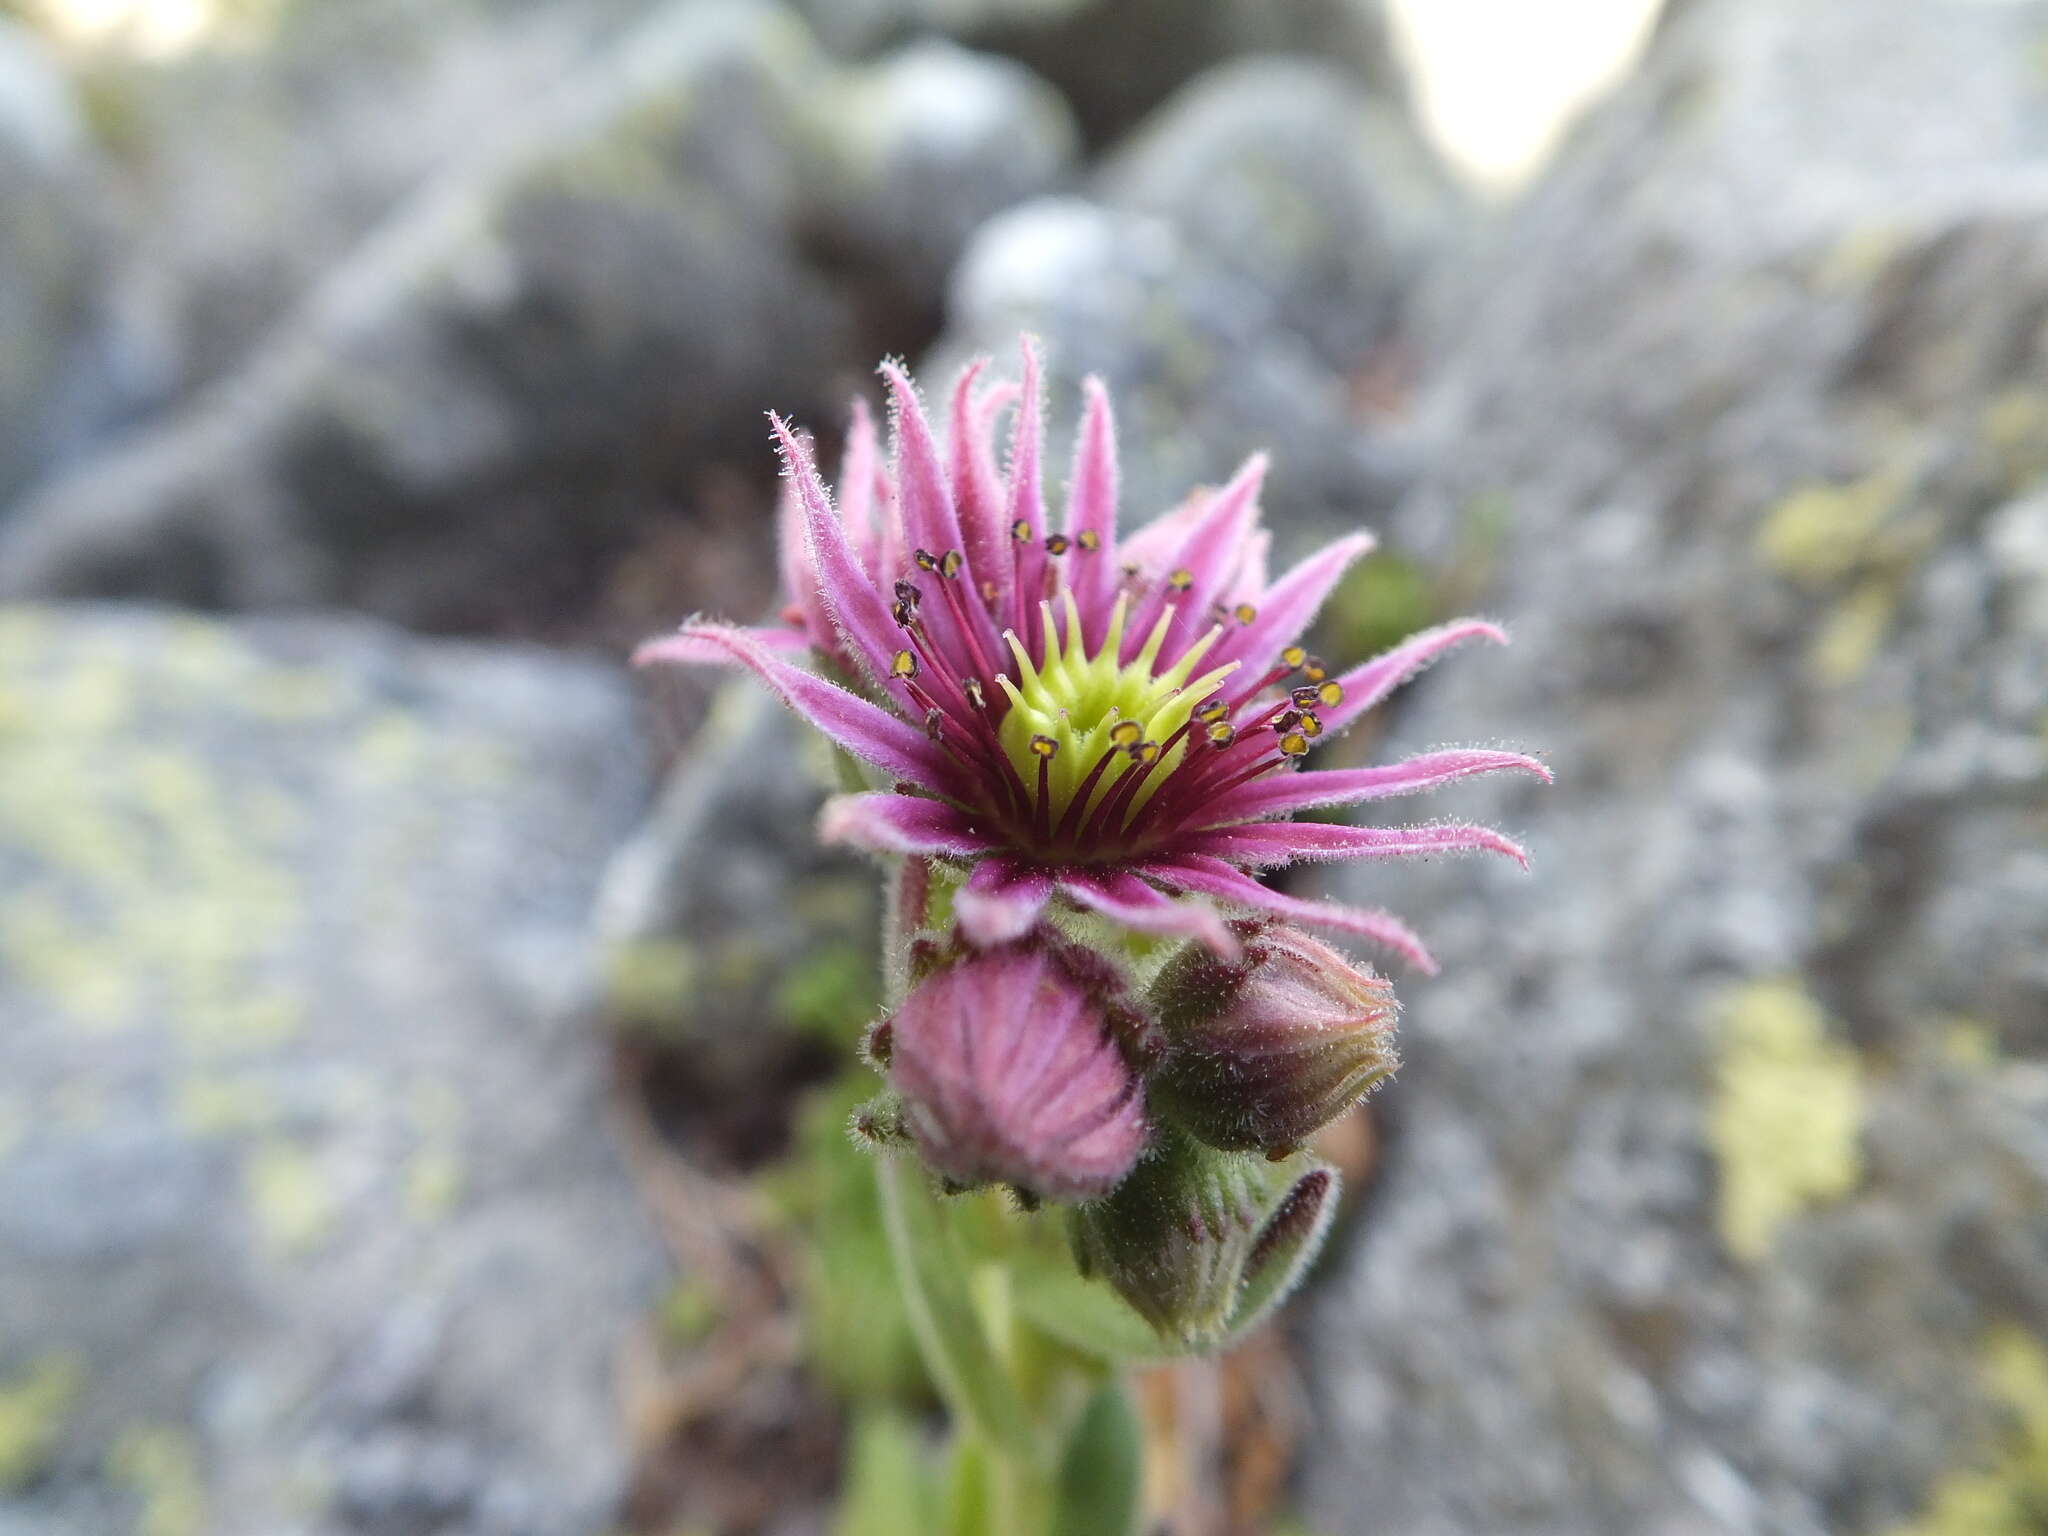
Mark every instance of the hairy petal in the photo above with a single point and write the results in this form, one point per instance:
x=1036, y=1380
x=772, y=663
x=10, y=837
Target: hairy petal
x=1276, y=794
x=1000, y=902
x=1205, y=557
x=844, y=590
x=930, y=521
x=868, y=732
x=890, y=823
x=1290, y=605
x=1026, y=496
x=977, y=493
x=1365, y=685
x=1284, y=842
x=1126, y=899
x=1213, y=877
x=1091, y=509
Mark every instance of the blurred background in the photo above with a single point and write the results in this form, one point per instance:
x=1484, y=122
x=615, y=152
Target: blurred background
x=425, y=1047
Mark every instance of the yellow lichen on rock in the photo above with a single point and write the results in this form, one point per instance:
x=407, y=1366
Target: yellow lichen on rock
x=33, y=1408
x=2009, y=1497
x=160, y=1467
x=1785, y=1114
x=1820, y=534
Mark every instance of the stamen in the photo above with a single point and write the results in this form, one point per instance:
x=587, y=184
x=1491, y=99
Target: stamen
x=1020, y=530
x=975, y=696
x=950, y=563
x=1221, y=734
x=1145, y=753
x=1305, y=697
x=1311, y=727
x=1314, y=670
x=908, y=595
x=988, y=592
x=1126, y=733
x=1181, y=579
x=1071, y=820
x=1089, y=540
x=926, y=560
x=905, y=614
x=1245, y=613
x=1212, y=711
x=1331, y=694
x=1287, y=722
x=935, y=723
x=1294, y=744
x=1045, y=747
x=1294, y=656
x=904, y=664
x=1057, y=544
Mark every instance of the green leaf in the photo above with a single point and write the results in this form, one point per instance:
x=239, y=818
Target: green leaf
x=971, y=1489
x=933, y=1274
x=1102, y=1470
x=1085, y=1314
x=889, y=1491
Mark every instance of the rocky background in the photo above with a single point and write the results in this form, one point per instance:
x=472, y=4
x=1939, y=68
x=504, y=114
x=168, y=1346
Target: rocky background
x=418, y=1038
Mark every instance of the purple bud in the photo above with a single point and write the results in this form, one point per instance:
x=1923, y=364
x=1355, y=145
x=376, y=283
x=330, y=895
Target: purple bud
x=1264, y=1051
x=1011, y=1073
x=1201, y=1243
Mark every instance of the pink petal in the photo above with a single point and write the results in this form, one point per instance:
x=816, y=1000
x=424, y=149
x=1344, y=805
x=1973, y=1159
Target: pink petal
x=977, y=492
x=1126, y=899
x=892, y=823
x=930, y=521
x=1284, y=842
x=1279, y=793
x=1026, y=497
x=1207, y=555
x=864, y=730
x=1212, y=877
x=1289, y=606
x=1091, y=509
x=860, y=468
x=845, y=593
x=1000, y=902
x=793, y=560
x=1364, y=686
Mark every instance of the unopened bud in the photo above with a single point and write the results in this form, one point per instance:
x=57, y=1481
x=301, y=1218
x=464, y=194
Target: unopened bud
x=1265, y=1050
x=1202, y=1243
x=1011, y=1072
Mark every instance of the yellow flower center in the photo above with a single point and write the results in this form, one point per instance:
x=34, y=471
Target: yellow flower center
x=1074, y=709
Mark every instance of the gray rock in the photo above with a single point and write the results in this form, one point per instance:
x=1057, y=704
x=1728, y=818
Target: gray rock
x=309, y=1221
x=1240, y=278
x=1714, y=1185
x=484, y=404
x=929, y=143
x=49, y=255
x=1116, y=60
x=732, y=933
x=1288, y=174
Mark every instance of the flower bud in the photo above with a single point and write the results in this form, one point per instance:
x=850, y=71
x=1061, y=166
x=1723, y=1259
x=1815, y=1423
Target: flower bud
x=1265, y=1050
x=1010, y=1072
x=1203, y=1243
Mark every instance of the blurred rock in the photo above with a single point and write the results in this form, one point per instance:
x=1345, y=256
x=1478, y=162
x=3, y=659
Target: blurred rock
x=1240, y=279
x=733, y=935
x=48, y=258
x=1714, y=1193
x=1288, y=175
x=928, y=143
x=1116, y=60
x=542, y=350
x=309, y=1219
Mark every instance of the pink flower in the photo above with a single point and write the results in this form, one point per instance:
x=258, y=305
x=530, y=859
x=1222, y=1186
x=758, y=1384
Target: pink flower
x=1011, y=1073
x=1111, y=724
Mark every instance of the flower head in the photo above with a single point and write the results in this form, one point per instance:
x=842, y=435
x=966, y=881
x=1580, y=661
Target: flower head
x=1011, y=1072
x=1070, y=716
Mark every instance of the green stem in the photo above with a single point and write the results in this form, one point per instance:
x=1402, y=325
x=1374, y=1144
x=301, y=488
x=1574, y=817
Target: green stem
x=976, y=1347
